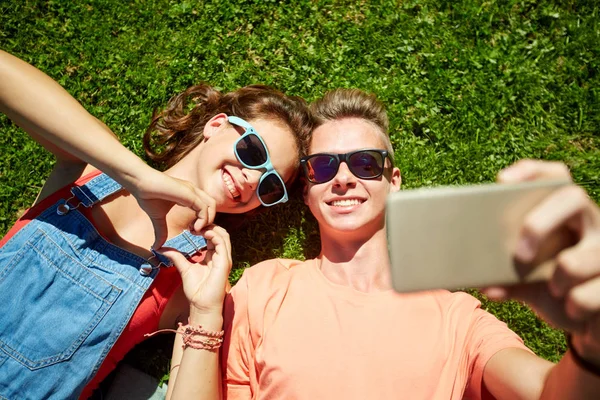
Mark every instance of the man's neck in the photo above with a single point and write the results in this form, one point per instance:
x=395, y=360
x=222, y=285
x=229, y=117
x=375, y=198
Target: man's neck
x=362, y=264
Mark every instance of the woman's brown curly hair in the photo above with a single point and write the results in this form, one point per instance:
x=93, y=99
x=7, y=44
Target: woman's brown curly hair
x=176, y=130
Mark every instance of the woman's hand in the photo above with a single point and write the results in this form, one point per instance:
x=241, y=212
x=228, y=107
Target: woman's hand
x=157, y=193
x=205, y=283
x=564, y=227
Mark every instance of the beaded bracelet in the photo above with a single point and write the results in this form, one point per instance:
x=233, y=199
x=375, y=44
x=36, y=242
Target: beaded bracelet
x=189, y=334
x=582, y=362
x=208, y=340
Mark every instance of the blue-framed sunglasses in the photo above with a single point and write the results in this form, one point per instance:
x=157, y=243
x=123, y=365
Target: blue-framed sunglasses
x=251, y=150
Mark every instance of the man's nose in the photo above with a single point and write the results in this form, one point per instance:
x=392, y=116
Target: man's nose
x=344, y=177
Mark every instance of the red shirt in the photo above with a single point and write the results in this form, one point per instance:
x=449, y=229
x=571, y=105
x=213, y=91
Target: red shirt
x=145, y=318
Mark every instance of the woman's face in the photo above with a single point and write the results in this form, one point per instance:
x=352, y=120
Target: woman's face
x=225, y=179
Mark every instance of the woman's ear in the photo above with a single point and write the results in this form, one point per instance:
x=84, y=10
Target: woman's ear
x=214, y=125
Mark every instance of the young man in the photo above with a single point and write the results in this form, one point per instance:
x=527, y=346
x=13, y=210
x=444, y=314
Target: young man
x=332, y=327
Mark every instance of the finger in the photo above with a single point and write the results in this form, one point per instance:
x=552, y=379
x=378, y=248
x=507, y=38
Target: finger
x=206, y=214
x=219, y=240
x=588, y=339
x=221, y=260
x=553, y=212
x=184, y=194
x=593, y=329
x=226, y=239
x=496, y=293
x=211, y=206
x=161, y=232
x=575, y=265
x=178, y=260
x=583, y=300
x=203, y=232
x=223, y=239
x=548, y=307
x=530, y=170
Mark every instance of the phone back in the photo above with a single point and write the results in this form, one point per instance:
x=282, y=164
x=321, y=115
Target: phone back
x=459, y=236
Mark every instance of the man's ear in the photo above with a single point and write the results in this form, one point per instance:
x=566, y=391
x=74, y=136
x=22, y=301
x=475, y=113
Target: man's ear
x=396, y=180
x=214, y=125
x=304, y=184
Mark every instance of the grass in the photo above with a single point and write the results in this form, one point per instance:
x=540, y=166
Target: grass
x=470, y=86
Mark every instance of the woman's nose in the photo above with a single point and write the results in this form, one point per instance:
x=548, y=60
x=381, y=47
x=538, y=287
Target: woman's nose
x=252, y=177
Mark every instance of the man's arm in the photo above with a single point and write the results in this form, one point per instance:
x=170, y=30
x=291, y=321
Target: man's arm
x=518, y=374
x=565, y=228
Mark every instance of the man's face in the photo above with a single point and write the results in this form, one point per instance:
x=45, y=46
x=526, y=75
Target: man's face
x=347, y=204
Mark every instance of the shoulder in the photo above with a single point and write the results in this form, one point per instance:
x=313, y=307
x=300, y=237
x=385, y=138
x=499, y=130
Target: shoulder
x=272, y=270
x=64, y=175
x=268, y=277
x=261, y=289
x=448, y=308
x=445, y=300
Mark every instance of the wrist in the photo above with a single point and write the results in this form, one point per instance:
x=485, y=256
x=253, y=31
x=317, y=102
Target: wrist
x=129, y=172
x=212, y=320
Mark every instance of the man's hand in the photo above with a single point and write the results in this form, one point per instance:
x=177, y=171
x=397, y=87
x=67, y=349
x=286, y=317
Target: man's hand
x=564, y=227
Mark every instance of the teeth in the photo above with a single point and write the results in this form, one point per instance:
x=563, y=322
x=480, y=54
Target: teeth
x=345, y=202
x=229, y=183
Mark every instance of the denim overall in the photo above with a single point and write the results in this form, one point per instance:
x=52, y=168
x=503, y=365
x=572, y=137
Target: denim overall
x=66, y=294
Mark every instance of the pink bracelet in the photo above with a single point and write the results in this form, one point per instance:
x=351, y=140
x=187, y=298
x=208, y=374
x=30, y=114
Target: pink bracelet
x=190, y=334
x=196, y=337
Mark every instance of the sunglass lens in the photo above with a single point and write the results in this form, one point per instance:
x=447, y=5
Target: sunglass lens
x=251, y=151
x=366, y=164
x=321, y=168
x=271, y=189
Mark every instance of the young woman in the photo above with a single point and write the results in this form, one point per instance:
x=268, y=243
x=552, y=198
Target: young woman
x=80, y=281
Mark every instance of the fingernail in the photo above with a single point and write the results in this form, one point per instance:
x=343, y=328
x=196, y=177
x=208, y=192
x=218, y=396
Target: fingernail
x=525, y=250
x=495, y=293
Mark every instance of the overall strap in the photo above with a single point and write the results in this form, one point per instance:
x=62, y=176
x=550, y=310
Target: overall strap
x=102, y=186
x=96, y=190
x=186, y=243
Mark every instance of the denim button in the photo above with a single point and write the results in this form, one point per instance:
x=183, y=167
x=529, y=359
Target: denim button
x=63, y=209
x=145, y=270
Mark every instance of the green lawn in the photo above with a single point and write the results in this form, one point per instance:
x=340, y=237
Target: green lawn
x=470, y=86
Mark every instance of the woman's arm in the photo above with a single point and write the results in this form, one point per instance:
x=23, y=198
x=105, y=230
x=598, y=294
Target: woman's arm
x=195, y=372
x=57, y=121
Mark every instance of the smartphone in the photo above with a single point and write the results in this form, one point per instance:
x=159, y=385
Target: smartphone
x=455, y=237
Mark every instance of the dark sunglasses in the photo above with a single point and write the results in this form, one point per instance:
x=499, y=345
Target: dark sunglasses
x=251, y=150
x=364, y=164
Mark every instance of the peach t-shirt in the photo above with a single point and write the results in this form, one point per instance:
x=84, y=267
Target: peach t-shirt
x=292, y=334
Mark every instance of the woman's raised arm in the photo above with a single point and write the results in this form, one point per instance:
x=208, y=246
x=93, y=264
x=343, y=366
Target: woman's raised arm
x=56, y=120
